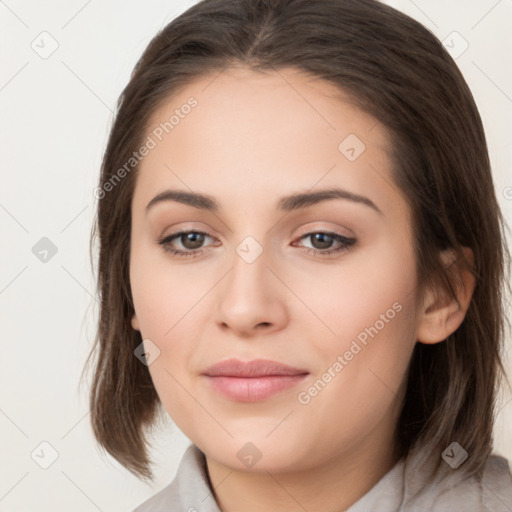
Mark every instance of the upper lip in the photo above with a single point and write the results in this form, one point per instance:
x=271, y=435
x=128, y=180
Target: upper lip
x=254, y=368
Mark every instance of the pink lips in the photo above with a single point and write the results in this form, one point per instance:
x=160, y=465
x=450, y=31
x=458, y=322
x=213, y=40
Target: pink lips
x=254, y=380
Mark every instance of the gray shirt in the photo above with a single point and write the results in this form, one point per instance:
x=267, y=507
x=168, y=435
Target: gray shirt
x=190, y=490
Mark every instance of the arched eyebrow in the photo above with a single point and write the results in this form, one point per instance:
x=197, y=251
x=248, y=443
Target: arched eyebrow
x=287, y=203
x=200, y=201
x=305, y=199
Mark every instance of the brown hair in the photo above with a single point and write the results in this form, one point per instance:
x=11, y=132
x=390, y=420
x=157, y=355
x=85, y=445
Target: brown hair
x=398, y=71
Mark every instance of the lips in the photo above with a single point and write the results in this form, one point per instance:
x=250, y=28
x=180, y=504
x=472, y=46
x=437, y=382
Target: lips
x=255, y=368
x=254, y=380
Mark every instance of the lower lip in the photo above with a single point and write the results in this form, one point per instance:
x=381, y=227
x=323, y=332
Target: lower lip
x=254, y=389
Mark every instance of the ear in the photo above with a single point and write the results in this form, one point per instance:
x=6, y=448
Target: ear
x=135, y=322
x=441, y=315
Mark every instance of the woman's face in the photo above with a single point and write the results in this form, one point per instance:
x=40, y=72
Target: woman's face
x=259, y=280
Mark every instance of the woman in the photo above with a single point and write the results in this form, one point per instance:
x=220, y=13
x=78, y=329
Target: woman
x=302, y=261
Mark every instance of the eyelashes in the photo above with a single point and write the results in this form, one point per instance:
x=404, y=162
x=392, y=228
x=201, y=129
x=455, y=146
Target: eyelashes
x=184, y=235
x=344, y=243
x=196, y=238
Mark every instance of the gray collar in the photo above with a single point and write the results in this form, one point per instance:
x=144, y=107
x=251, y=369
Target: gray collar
x=190, y=490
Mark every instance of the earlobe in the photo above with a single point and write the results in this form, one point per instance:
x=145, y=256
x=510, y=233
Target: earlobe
x=135, y=322
x=442, y=315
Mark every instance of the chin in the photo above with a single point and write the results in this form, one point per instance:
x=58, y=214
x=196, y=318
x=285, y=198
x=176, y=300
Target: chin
x=256, y=456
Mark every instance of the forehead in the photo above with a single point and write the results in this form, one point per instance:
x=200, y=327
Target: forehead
x=259, y=132
x=273, y=99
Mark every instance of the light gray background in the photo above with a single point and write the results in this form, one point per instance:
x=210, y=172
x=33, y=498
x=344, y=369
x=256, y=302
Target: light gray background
x=55, y=116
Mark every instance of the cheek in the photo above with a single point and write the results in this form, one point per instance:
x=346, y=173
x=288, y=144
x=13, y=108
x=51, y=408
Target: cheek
x=170, y=314
x=368, y=358
x=164, y=293
x=358, y=389
x=172, y=306
x=365, y=290
x=365, y=312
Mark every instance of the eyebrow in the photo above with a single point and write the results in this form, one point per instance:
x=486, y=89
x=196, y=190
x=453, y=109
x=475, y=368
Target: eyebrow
x=286, y=203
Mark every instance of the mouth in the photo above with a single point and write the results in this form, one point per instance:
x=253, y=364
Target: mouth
x=254, y=380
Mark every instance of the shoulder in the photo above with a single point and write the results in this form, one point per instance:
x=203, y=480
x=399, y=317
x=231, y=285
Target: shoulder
x=497, y=484
x=164, y=500
x=189, y=491
x=167, y=499
x=490, y=493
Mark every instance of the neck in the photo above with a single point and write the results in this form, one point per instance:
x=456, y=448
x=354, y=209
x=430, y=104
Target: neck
x=335, y=485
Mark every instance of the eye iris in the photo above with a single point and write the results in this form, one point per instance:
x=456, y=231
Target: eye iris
x=196, y=240
x=325, y=240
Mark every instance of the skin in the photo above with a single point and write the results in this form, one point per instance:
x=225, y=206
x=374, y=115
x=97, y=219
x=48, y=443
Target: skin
x=253, y=138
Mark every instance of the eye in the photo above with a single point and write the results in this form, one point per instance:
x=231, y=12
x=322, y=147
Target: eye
x=322, y=242
x=191, y=241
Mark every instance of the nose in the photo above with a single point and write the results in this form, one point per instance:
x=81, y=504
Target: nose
x=251, y=299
